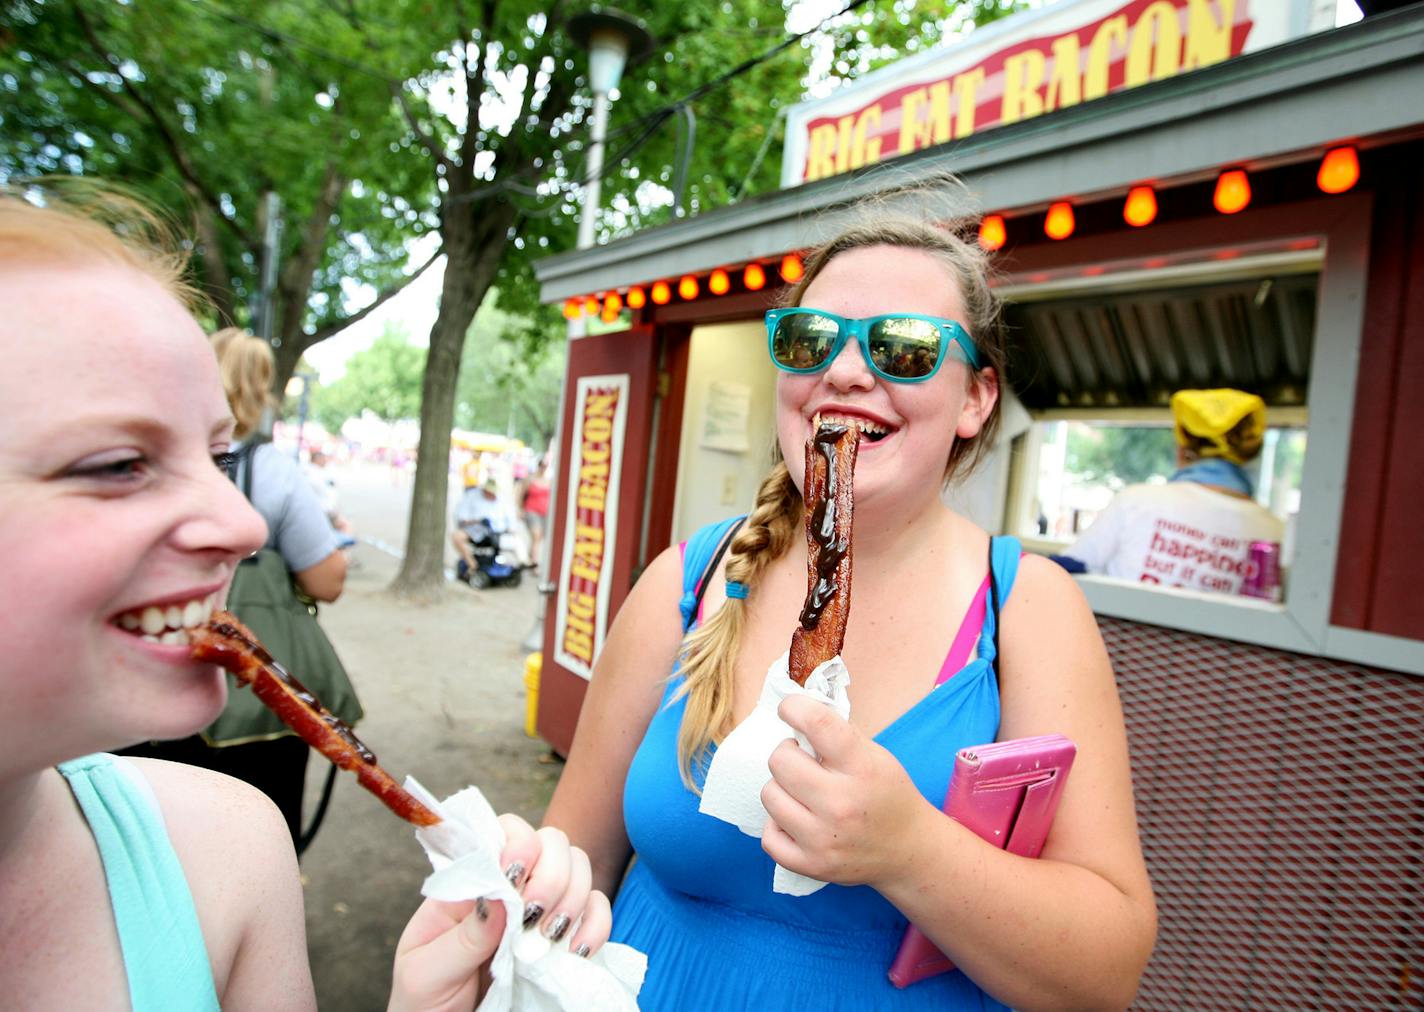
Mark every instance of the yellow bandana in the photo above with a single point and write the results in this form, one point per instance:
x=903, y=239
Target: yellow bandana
x=1212, y=414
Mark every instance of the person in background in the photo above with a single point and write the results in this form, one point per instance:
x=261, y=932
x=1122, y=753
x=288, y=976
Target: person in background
x=536, y=508
x=479, y=505
x=129, y=882
x=1196, y=530
x=325, y=488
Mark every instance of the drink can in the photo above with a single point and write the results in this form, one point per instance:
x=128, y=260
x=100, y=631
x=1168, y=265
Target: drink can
x=1263, y=571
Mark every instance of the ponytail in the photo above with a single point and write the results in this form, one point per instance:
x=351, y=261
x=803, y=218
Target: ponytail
x=709, y=653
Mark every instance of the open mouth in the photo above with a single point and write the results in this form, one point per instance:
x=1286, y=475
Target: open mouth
x=167, y=624
x=872, y=432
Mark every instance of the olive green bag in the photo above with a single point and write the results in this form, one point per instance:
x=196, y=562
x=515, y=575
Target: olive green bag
x=265, y=599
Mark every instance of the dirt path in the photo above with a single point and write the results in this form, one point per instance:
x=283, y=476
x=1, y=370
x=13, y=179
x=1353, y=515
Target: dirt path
x=443, y=691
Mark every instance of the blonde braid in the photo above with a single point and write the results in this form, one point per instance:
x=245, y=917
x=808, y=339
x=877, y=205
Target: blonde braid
x=709, y=653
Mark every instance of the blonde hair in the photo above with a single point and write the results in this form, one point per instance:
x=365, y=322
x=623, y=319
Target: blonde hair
x=709, y=653
x=79, y=221
x=246, y=365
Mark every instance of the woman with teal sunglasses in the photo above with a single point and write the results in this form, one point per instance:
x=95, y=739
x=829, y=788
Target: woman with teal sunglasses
x=894, y=330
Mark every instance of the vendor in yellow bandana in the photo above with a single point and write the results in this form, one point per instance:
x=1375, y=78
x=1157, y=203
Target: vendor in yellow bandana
x=1195, y=531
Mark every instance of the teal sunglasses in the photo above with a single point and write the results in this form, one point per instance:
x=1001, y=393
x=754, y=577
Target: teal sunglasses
x=899, y=347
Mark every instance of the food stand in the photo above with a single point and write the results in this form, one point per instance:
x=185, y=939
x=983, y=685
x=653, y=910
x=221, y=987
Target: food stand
x=1276, y=746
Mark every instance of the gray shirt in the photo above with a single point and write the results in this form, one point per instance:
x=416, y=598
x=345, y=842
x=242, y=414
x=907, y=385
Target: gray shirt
x=296, y=522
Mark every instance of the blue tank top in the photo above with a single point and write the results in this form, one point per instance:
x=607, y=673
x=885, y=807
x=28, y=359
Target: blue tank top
x=165, y=957
x=699, y=901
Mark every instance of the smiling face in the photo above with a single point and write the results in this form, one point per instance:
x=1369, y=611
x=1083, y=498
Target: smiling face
x=910, y=427
x=115, y=516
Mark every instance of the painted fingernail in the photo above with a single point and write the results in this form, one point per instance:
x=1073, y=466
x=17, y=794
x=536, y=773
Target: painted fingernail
x=482, y=910
x=582, y=950
x=532, y=913
x=559, y=927
x=514, y=873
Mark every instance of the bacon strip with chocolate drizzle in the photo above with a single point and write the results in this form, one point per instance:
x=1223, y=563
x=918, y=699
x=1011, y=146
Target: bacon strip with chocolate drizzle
x=228, y=643
x=830, y=464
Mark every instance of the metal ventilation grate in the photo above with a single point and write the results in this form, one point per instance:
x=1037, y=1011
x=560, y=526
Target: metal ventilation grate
x=1281, y=805
x=1134, y=348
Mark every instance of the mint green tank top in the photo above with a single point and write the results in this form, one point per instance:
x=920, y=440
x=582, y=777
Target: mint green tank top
x=164, y=954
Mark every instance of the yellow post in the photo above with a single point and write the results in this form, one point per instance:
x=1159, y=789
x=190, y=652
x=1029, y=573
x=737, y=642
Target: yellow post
x=533, y=664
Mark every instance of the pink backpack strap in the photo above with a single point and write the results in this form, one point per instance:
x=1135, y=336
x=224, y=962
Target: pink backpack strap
x=967, y=636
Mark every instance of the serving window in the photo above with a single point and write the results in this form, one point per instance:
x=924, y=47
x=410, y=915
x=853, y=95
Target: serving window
x=1103, y=330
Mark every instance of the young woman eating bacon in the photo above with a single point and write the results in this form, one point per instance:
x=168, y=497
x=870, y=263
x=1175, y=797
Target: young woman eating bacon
x=893, y=331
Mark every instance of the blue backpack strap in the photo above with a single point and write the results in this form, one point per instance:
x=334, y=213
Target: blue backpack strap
x=698, y=556
x=1004, y=553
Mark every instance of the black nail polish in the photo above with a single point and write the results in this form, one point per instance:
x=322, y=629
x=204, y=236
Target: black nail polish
x=482, y=909
x=514, y=873
x=532, y=913
x=560, y=927
x=582, y=950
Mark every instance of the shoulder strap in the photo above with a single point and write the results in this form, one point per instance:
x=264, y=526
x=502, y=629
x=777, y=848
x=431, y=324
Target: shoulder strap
x=1004, y=552
x=240, y=470
x=704, y=550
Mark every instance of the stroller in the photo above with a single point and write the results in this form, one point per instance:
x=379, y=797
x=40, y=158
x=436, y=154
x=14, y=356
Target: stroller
x=496, y=563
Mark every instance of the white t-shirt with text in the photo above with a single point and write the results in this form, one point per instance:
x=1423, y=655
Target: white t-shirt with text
x=1180, y=534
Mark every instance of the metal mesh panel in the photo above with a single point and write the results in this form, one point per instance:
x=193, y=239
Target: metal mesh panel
x=1281, y=805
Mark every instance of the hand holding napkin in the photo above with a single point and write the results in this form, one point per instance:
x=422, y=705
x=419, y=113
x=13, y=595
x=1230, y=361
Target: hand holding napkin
x=738, y=771
x=530, y=973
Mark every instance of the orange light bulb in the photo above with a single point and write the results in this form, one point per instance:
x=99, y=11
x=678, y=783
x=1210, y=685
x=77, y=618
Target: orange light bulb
x=791, y=268
x=1339, y=170
x=1059, y=223
x=1233, y=191
x=637, y=298
x=1140, y=207
x=591, y=305
x=662, y=293
x=612, y=304
x=754, y=278
x=687, y=288
x=992, y=232
x=573, y=309
x=719, y=283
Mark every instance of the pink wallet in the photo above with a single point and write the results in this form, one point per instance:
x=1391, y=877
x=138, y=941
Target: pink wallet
x=1006, y=792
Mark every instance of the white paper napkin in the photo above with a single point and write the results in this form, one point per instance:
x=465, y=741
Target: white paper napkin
x=738, y=771
x=530, y=973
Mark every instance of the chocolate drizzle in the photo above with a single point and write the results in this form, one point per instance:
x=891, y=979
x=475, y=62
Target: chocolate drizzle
x=302, y=693
x=823, y=530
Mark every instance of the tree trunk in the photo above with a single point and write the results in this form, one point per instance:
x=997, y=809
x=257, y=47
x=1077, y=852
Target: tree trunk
x=473, y=252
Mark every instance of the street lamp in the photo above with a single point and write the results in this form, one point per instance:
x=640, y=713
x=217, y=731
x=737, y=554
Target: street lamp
x=612, y=39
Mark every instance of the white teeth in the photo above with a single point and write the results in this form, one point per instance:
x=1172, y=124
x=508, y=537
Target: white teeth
x=176, y=638
x=862, y=424
x=149, y=638
x=153, y=621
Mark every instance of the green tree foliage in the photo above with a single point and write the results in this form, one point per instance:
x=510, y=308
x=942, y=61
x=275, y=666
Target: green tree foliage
x=508, y=383
x=1119, y=455
x=383, y=379
x=200, y=107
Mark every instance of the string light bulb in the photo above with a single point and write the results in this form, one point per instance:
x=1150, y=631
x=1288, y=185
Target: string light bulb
x=573, y=309
x=591, y=305
x=1140, y=208
x=1059, y=223
x=719, y=283
x=687, y=287
x=637, y=298
x=1233, y=191
x=792, y=269
x=612, y=304
x=754, y=277
x=662, y=293
x=993, y=233
x=1339, y=170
